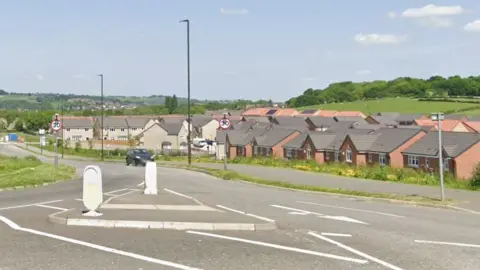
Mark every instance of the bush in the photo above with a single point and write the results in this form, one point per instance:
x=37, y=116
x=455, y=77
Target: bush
x=475, y=181
x=78, y=146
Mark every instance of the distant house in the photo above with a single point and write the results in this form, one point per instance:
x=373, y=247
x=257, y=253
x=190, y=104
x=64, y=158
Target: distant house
x=271, y=143
x=460, y=153
x=77, y=128
x=136, y=124
x=205, y=127
x=165, y=137
x=350, y=114
x=446, y=125
x=114, y=128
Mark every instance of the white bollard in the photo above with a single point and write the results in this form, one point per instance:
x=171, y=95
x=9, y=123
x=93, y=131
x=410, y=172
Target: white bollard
x=92, y=190
x=151, y=178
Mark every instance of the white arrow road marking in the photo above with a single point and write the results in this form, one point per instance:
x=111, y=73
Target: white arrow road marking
x=305, y=212
x=354, y=251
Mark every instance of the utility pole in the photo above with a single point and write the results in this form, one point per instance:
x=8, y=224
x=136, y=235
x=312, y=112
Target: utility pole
x=63, y=131
x=439, y=117
x=189, y=117
x=101, y=109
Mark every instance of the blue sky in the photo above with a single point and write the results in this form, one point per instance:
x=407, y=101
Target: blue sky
x=239, y=48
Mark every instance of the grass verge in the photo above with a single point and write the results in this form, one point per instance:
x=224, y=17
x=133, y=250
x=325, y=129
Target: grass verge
x=231, y=175
x=29, y=171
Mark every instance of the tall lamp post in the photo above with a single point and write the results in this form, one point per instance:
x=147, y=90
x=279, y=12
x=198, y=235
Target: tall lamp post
x=188, y=94
x=439, y=117
x=63, y=133
x=101, y=109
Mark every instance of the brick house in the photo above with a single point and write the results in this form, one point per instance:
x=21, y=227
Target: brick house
x=460, y=153
x=271, y=143
x=446, y=125
x=356, y=146
x=294, y=149
x=239, y=142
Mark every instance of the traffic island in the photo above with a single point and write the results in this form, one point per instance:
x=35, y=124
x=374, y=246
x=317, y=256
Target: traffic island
x=164, y=210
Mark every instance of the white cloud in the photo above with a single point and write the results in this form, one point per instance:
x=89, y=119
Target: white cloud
x=472, y=26
x=392, y=14
x=39, y=77
x=379, y=39
x=234, y=11
x=432, y=10
x=436, y=22
x=363, y=72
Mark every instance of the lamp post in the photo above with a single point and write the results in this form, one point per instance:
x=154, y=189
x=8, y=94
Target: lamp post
x=439, y=117
x=188, y=93
x=101, y=109
x=63, y=131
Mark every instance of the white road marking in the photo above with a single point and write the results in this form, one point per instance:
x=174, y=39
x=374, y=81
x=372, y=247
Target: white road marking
x=297, y=213
x=28, y=205
x=305, y=212
x=359, y=253
x=447, y=243
x=352, y=209
x=51, y=207
x=245, y=213
x=141, y=184
x=299, y=250
x=464, y=209
x=178, y=193
x=80, y=200
x=336, y=234
x=15, y=226
x=114, y=191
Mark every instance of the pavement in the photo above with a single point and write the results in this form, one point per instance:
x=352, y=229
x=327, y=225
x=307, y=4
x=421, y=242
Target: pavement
x=313, y=231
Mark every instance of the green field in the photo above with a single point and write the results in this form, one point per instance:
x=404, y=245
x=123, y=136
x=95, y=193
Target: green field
x=398, y=105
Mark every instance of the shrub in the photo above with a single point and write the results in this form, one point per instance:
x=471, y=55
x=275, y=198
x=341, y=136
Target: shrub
x=475, y=181
x=32, y=158
x=78, y=146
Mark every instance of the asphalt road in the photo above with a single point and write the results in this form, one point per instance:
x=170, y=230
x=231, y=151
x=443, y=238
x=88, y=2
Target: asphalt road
x=314, y=231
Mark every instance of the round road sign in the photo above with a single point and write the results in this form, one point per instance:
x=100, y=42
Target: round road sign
x=224, y=123
x=56, y=125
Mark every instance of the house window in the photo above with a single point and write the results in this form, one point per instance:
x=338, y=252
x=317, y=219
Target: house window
x=112, y=129
x=77, y=138
x=348, y=155
x=288, y=153
x=427, y=163
x=268, y=151
x=241, y=151
x=134, y=129
x=309, y=152
x=337, y=156
x=68, y=129
x=382, y=159
x=255, y=150
x=87, y=129
x=370, y=158
x=446, y=166
x=413, y=161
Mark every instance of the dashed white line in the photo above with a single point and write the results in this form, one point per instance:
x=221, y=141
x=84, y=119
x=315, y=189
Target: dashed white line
x=15, y=226
x=336, y=234
x=51, y=207
x=114, y=191
x=305, y=212
x=352, y=209
x=298, y=250
x=447, y=243
x=178, y=193
x=359, y=253
x=28, y=205
x=245, y=213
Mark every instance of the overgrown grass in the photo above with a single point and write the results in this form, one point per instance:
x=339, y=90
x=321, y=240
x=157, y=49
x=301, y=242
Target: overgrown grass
x=232, y=175
x=29, y=171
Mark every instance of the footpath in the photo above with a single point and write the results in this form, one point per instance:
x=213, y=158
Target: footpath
x=466, y=199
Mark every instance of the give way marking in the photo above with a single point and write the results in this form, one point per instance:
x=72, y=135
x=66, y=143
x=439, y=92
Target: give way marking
x=297, y=211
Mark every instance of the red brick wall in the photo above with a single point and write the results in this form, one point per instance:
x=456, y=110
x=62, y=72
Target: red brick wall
x=320, y=157
x=396, y=157
x=248, y=150
x=348, y=143
x=277, y=150
x=466, y=162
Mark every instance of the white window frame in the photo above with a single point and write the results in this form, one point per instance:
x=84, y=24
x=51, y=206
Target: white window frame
x=348, y=155
x=370, y=157
x=337, y=155
x=382, y=159
x=427, y=163
x=309, y=152
x=288, y=152
x=445, y=164
x=413, y=161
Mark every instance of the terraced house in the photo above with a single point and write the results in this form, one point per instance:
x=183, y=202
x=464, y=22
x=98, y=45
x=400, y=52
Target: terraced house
x=77, y=128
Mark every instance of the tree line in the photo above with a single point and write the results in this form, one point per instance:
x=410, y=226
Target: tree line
x=435, y=86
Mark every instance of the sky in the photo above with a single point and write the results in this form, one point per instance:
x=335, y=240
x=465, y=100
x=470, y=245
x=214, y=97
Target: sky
x=240, y=49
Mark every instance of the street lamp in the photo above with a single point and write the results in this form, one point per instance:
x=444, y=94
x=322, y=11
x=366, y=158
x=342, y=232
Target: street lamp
x=439, y=117
x=188, y=94
x=101, y=104
x=63, y=131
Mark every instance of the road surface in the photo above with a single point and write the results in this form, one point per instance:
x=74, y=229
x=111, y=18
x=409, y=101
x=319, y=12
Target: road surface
x=314, y=231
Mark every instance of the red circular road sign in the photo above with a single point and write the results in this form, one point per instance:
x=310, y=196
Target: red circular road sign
x=225, y=123
x=56, y=125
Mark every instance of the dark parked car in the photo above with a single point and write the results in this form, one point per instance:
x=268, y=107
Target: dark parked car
x=138, y=156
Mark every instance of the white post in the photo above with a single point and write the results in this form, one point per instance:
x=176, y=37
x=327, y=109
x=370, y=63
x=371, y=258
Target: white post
x=151, y=178
x=92, y=190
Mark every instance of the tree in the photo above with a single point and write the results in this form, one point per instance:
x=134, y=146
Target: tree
x=19, y=125
x=171, y=103
x=132, y=141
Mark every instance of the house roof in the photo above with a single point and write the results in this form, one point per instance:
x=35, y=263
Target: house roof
x=392, y=115
x=350, y=113
x=392, y=138
x=321, y=140
x=260, y=119
x=114, y=122
x=286, y=112
x=386, y=120
x=297, y=142
x=200, y=121
x=172, y=128
x=408, y=117
x=273, y=137
x=455, y=117
x=340, y=137
x=77, y=122
x=255, y=112
x=363, y=142
x=446, y=125
x=327, y=113
x=474, y=125
x=137, y=121
x=368, y=126
x=454, y=144
x=321, y=121
x=358, y=119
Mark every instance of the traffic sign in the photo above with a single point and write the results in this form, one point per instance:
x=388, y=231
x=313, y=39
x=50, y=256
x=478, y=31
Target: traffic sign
x=225, y=123
x=56, y=125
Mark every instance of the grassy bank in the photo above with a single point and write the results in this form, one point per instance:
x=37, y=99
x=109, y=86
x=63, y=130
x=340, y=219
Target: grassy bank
x=232, y=175
x=29, y=171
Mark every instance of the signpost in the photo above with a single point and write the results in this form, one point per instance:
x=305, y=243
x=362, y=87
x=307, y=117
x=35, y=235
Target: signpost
x=56, y=126
x=151, y=178
x=225, y=124
x=92, y=190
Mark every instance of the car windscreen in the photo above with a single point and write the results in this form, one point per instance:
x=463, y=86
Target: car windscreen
x=140, y=151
